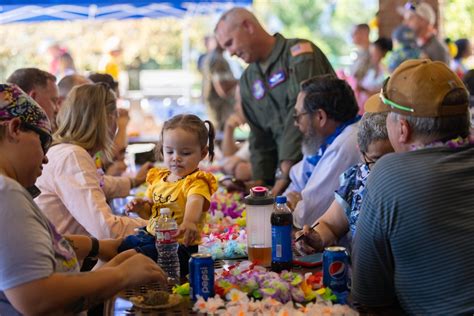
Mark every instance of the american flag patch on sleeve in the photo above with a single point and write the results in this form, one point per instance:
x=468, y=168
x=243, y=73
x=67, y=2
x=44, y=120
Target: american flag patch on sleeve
x=301, y=48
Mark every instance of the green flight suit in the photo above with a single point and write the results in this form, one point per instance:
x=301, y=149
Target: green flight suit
x=269, y=90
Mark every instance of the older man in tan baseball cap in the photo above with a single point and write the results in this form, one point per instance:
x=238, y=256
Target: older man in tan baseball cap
x=419, y=203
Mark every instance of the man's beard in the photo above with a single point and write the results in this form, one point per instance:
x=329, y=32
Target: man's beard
x=311, y=142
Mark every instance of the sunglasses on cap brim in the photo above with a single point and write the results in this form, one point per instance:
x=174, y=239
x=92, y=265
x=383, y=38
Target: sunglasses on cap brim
x=390, y=103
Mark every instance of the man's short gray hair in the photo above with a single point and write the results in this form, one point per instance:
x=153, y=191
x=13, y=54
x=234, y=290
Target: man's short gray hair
x=444, y=128
x=429, y=129
x=372, y=128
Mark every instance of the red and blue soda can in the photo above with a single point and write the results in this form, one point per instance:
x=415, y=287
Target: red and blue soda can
x=201, y=275
x=336, y=268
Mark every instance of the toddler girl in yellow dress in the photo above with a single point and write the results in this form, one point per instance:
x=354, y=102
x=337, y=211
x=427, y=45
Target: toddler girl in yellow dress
x=181, y=187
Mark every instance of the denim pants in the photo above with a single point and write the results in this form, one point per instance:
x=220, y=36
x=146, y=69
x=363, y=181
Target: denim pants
x=143, y=242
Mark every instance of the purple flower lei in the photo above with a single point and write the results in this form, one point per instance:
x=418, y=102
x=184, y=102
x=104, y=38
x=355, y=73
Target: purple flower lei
x=452, y=143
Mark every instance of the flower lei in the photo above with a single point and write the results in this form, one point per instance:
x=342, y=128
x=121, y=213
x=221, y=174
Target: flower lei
x=452, y=143
x=259, y=283
x=245, y=289
x=224, y=234
x=99, y=168
x=238, y=303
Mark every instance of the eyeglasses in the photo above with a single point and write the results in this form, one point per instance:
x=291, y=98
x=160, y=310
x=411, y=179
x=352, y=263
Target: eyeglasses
x=45, y=138
x=296, y=117
x=368, y=161
x=390, y=103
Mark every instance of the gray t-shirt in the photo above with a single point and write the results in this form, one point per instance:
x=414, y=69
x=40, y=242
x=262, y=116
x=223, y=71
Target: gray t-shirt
x=30, y=247
x=414, y=246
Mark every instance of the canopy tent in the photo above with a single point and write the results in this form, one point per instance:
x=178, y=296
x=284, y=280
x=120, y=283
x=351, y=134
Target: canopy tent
x=16, y=11
x=12, y=11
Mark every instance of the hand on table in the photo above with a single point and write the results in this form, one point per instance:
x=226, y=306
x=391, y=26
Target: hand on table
x=190, y=230
x=310, y=242
x=138, y=269
x=119, y=258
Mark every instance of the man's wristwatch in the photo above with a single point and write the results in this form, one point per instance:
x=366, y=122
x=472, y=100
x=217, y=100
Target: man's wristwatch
x=94, y=249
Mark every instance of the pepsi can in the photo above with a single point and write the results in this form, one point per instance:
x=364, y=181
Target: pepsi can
x=336, y=268
x=201, y=276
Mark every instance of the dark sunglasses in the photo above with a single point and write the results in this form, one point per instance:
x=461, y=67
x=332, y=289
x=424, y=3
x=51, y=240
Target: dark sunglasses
x=389, y=102
x=45, y=138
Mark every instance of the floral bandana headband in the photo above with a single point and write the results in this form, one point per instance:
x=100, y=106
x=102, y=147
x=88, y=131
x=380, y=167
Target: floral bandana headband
x=16, y=103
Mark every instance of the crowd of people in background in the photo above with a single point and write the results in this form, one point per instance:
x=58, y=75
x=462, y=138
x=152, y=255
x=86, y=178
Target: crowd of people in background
x=380, y=156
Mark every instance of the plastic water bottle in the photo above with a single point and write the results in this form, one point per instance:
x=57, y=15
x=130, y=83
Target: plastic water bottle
x=167, y=246
x=282, y=222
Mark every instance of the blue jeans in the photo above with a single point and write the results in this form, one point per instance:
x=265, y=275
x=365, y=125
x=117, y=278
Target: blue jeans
x=144, y=243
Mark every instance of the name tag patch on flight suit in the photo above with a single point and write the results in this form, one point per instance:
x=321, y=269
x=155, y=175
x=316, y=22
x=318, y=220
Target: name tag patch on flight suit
x=258, y=89
x=276, y=78
x=301, y=48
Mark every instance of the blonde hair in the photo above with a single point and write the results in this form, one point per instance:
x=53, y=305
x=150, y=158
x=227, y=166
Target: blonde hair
x=83, y=119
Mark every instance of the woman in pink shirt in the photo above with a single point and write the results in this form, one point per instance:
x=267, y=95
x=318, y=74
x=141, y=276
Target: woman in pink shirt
x=72, y=194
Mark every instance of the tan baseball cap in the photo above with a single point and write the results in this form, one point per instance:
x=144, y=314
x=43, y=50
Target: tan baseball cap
x=417, y=88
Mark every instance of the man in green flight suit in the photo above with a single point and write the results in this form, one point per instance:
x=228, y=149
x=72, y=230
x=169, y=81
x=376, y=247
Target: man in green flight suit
x=269, y=87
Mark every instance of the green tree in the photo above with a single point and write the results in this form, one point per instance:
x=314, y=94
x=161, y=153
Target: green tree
x=458, y=19
x=326, y=22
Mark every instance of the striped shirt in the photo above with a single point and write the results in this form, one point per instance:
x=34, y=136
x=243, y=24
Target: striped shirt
x=414, y=246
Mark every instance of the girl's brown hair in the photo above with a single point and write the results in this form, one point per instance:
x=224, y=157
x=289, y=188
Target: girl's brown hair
x=193, y=124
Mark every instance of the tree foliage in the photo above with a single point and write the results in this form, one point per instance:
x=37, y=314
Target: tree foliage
x=328, y=23
x=459, y=19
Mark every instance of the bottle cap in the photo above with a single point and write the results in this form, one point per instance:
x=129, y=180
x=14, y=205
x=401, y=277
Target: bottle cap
x=280, y=199
x=258, y=191
x=259, y=196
